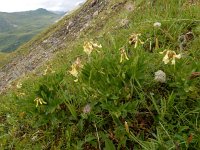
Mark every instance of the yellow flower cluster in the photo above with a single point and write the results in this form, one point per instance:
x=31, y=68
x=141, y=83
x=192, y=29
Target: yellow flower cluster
x=48, y=70
x=75, y=68
x=39, y=101
x=19, y=85
x=90, y=46
x=134, y=39
x=21, y=94
x=170, y=56
x=123, y=54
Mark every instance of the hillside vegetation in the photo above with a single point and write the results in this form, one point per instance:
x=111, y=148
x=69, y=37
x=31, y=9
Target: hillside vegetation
x=119, y=74
x=19, y=27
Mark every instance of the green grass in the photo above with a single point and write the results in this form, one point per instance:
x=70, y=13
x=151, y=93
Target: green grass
x=128, y=108
x=3, y=58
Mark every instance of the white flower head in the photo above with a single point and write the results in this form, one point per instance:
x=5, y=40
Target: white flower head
x=160, y=76
x=87, y=109
x=157, y=24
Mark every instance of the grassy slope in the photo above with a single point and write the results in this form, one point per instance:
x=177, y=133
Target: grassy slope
x=27, y=24
x=158, y=116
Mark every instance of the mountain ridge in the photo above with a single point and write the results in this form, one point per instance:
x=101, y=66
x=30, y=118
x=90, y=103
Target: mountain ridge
x=19, y=27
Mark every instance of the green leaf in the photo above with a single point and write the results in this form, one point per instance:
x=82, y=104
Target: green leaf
x=72, y=110
x=109, y=145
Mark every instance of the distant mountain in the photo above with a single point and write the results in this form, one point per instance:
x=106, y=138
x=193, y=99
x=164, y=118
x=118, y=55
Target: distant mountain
x=58, y=12
x=19, y=27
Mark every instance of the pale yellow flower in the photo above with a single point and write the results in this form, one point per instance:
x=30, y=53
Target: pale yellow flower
x=48, y=70
x=170, y=56
x=134, y=39
x=75, y=68
x=39, y=101
x=126, y=127
x=74, y=71
x=19, y=85
x=78, y=63
x=157, y=43
x=157, y=25
x=89, y=47
x=95, y=45
x=76, y=80
x=123, y=54
x=21, y=94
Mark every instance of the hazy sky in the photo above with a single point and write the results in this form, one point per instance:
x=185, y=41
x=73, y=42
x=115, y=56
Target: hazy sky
x=23, y=5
